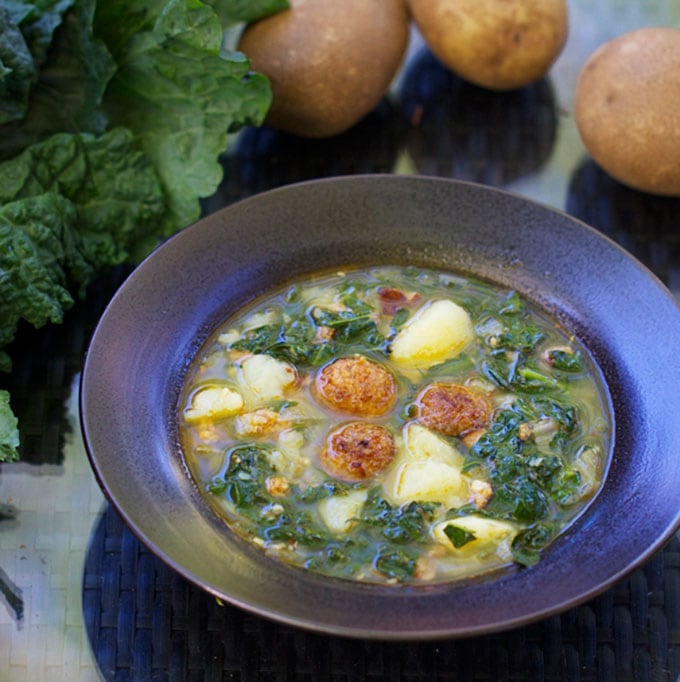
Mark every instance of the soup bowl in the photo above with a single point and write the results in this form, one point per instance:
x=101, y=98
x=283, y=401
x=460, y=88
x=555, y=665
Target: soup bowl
x=157, y=322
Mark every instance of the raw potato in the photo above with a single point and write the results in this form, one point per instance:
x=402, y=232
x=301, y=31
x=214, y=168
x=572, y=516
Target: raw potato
x=499, y=45
x=329, y=62
x=627, y=109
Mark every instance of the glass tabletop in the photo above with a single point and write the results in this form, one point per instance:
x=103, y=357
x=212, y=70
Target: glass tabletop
x=80, y=599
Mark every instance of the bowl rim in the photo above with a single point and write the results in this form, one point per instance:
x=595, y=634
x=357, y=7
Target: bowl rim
x=100, y=364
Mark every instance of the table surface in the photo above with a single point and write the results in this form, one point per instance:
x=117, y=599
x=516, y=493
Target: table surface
x=81, y=599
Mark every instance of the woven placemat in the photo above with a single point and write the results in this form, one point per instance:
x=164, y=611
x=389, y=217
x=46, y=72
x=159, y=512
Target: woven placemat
x=44, y=364
x=646, y=225
x=145, y=622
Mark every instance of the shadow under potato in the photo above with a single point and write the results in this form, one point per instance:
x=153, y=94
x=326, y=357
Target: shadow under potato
x=646, y=225
x=462, y=131
x=264, y=158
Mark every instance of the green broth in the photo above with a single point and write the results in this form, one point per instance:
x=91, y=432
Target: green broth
x=253, y=427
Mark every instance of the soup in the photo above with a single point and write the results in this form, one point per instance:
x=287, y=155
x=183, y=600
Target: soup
x=396, y=425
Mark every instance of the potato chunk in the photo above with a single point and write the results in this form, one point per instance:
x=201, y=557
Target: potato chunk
x=266, y=378
x=481, y=533
x=426, y=469
x=339, y=511
x=213, y=402
x=429, y=481
x=437, y=332
x=423, y=444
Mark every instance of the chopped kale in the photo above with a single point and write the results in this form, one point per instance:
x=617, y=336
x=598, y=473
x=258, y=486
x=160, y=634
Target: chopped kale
x=301, y=342
x=326, y=489
x=399, y=319
x=526, y=479
x=528, y=543
x=297, y=527
x=459, y=536
x=401, y=524
x=566, y=361
x=243, y=480
x=397, y=564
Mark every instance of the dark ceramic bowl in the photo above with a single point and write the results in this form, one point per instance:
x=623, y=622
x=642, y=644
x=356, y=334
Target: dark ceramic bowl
x=162, y=314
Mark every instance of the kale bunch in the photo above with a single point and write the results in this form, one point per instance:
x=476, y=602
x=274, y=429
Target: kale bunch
x=112, y=119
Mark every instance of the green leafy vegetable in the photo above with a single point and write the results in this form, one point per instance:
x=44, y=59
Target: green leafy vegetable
x=459, y=536
x=181, y=95
x=235, y=11
x=243, y=481
x=66, y=94
x=112, y=119
x=16, y=69
x=397, y=564
x=111, y=184
x=9, y=433
x=243, y=484
x=300, y=343
x=565, y=360
x=401, y=524
x=69, y=207
x=527, y=479
x=32, y=260
x=527, y=543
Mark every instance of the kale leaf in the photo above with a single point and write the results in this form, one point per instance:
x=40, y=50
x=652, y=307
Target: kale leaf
x=396, y=563
x=236, y=11
x=299, y=341
x=16, y=69
x=527, y=543
x=458, y=536
x=9, y=433
x=401, y=524
x=527, y=479
x=112, y=118
x=67, y=88
x=243, y=481
x=179, y=92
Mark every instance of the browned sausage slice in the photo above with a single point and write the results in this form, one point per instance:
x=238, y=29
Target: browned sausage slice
x=356, y=385
x=358, y=451
x=452, y=410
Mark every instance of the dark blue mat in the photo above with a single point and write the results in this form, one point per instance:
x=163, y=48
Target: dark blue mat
x=145, y=622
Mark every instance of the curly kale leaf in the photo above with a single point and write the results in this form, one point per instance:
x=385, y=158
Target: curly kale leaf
x=400, y=524
x=180, y=93
x=65, y=89
x=108, y=165
x=16, y=69
x=69, y=207
x=32, y=259
x=237, y=11
x=9, y=433
x=113, y=187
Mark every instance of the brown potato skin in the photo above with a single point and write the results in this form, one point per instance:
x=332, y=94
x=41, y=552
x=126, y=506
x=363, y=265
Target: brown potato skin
x=499, y=45
x=627, y=109
x=358, y=451
x=357, y=386
x=329, y=62
x=452, y=410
